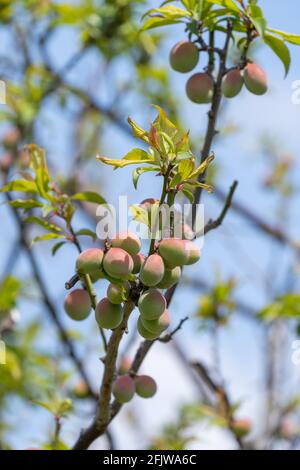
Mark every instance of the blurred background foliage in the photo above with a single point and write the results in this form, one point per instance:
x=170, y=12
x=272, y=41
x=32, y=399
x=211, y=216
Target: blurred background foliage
x=74, y=71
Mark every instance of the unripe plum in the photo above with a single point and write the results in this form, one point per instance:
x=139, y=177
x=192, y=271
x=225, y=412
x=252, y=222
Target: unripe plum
x=118, y=263
x=128, y=241
x=108, y=315
x=241, y=427
x=200, y=88
x=232, y=83
x=81, y=390
x=78, y=304
x=144, y=332
x=145, y=386
x=173, y=252
x=184, y=56
x=125, y=365
x=255, y=79
x=118, y=294
x=193, y=252
x=123, y=388
x=156, y=327
x=152, y=271
x=152, y=304
x=89, y=261
x=138, y=260
x=170, y=278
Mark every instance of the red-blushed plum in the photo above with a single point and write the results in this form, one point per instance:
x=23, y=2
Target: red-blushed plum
x=108, y=315
x=78, y=304
x=123, y=388
x=152, y=271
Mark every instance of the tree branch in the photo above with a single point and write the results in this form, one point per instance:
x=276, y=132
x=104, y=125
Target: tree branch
x=104, y=411
x=213, y=224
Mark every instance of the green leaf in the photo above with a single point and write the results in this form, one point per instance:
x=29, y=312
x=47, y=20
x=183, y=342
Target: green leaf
x=156, y=22
x=169, y=12
x=287, y=306
x=163, y=123
x=26, y=204
x=139, y=171
x=133, y=157
x=202, y=167
x=56, y=247
x=188, y=194
x=86, y=232
x=38, y=164
x=185, y=168
x=89, y=196
x=229, y=4
x=43, y=223
x=289, y=37
x=22, y=186
x=10, y=289
x=138, y=131
x=198, y=184
x=47, y=237
x=280, y=49
x=257, y=18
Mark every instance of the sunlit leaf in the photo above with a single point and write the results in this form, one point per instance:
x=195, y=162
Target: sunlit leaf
x=134, y=157
x=89, y=196
x=22, y=186
x=47, y=237
x=43, y=223
x=86, y=232
x=139, y=171
x=281, y=50
x=25, y=204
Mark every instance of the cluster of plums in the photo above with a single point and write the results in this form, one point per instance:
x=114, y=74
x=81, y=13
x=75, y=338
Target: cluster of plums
x=125, y=386
x=184, y=57
x=129, y=271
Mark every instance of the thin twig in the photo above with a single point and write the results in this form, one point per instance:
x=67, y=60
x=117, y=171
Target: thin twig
x=213, y=224
x=169, y=336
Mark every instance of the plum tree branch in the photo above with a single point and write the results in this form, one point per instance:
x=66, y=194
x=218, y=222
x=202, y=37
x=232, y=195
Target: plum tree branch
x=224, y=405
x=104, y=410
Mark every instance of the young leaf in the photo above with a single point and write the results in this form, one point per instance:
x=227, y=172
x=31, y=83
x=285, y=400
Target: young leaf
x=202, y=167
x=169, y=12
x=43, y=223
x=188, y=194
x=258, y=20
x=22, y=186
x=25, y=204
x=156, y=22
x=89, y=196
x=138, y=131
x=47, y=237
x=139, y=171
x=86, y=232
x=281, y=50
x=198, y=184
x=289, y=37
x=56, y=247
x=133, y=157
x=229, y=4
